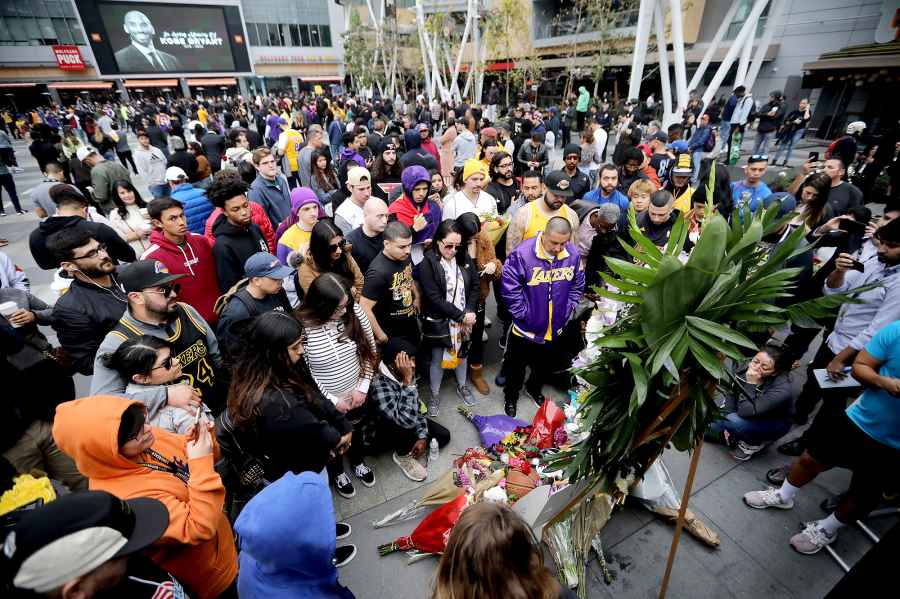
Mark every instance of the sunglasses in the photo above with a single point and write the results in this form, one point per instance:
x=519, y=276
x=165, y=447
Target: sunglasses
x=167, y=364
x=337, y=246
x=450, y=246
x=758, y=158
x=168, y=290
x=93, y=253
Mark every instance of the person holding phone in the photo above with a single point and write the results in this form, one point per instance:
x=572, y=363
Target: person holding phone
x=856, y=323
x=117, y=449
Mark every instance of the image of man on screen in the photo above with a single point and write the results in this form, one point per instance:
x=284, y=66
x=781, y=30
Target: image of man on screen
x=142, y=55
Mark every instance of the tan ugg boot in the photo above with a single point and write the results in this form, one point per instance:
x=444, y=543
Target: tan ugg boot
x=477, y=380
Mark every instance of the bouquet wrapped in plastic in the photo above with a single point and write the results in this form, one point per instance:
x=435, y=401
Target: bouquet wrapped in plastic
x=493, y=226
x=548, y=419
x=431, y=535
x=491, y=429
x=474, y=470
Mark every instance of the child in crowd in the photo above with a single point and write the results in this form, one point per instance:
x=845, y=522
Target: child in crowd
x=148, y=362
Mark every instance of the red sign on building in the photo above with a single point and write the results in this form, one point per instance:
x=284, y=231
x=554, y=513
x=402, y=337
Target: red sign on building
x=68, y=58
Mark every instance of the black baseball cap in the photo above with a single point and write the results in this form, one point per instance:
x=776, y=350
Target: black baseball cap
x=76, y=534
x=142, y=274
x=559, y=184
x=660, y=136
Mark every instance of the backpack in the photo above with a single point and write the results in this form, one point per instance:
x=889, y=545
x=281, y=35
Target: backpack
x=223, y=299
x=710, y=141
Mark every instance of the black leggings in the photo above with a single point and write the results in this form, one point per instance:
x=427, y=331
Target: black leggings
x=125, y=158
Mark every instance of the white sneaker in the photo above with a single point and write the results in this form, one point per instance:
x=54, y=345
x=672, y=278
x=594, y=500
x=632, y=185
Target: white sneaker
x=768, y=498
x=484, y=337
x=812, y=539
x=411, y=467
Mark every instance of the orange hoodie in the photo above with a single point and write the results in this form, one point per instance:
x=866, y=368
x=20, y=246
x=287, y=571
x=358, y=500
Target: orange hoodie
x=198, y=547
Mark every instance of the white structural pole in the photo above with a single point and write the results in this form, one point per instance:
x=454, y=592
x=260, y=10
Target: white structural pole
x=642, y=36
x=668, y=117
x=462, y=48
x=713, y=46
x=744, y=62
x=776, y=10
x=676, y=18
x=745, y=32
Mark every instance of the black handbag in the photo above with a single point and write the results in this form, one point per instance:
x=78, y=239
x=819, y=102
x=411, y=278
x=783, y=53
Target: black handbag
x=436, y=331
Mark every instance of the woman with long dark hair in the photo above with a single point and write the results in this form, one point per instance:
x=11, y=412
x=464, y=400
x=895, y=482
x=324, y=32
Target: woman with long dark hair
x=204, y=170
x=450, y=290
x=328, y=252
x=129, y=219
x=271, y=396
x=492, y=554
x=341, y=356
x=323, y=180
x=812, y=201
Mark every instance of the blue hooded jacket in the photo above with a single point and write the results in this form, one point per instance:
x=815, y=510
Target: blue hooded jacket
x=287, y=542
x=197, y=207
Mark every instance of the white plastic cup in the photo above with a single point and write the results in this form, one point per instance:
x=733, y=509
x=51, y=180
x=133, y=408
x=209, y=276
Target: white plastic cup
x=7, y=309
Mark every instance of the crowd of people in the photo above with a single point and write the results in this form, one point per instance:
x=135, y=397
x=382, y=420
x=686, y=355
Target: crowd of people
x=302, y=267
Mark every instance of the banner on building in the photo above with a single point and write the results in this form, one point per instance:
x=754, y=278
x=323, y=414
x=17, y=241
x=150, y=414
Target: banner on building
x=68, y=58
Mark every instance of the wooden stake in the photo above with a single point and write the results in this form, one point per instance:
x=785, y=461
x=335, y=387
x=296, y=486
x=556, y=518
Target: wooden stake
x=679, y=524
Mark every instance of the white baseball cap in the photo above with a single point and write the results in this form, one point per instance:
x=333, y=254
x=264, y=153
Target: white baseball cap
x=174, y=173
x=85, y=151
x=856, y=127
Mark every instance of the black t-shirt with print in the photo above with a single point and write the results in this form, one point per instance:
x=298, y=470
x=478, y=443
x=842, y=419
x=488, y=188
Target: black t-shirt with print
x=389, y=283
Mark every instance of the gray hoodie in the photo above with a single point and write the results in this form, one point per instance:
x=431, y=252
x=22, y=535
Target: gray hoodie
x=464, y=147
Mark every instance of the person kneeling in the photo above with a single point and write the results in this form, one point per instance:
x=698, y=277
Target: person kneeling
x=400, y=417
x=756, y=406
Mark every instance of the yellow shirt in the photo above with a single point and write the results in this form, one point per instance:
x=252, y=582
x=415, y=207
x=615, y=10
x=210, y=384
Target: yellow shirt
x=292, y=148
x=537, y=219
x=295, y=238
x=683, y=202
x=202, y=116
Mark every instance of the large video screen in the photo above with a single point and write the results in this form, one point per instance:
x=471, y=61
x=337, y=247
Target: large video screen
x=136, y=38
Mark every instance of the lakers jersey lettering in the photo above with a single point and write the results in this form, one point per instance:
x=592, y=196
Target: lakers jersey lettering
x=541, y=275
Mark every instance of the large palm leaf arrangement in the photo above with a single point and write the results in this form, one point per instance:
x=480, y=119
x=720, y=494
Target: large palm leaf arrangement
x=654, y=379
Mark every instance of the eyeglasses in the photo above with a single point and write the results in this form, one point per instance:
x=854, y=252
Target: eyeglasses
x=505, y=165
x=93, y=253
x=167, y=364
x=337, y=246
x=168, y=290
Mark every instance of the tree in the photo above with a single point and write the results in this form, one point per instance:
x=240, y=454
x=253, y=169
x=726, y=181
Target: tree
x=359, y=53
x=505, y=26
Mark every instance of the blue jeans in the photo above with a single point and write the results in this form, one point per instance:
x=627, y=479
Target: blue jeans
x=724, y=132
x=696, y=157
x=753, y=432
x=762, y=142
x=159, y=191
x=787, y=146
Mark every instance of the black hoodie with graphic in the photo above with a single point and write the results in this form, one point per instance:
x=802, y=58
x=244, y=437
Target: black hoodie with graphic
x=233, y=246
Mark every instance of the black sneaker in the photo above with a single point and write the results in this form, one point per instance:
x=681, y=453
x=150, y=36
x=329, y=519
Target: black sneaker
x=343, y=555
x=510, y=408
x=364, y=474
x=792, y=448
x=536, y=396
x=344, y=486
x=342, y=530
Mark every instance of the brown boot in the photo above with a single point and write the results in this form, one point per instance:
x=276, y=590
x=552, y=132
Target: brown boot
x=477, y=380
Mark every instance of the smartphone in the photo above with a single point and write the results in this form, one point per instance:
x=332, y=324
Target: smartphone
x=852, y=226
x=814, y=156
x=857, y=265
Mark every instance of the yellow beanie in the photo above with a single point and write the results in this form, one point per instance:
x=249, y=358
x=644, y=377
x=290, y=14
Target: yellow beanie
x=473, y=166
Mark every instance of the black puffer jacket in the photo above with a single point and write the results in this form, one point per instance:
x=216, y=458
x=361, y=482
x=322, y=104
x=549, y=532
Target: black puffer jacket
x=117, y=248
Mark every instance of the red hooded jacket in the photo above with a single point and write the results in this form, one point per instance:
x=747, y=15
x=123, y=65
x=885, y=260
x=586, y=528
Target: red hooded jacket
x=200, y=288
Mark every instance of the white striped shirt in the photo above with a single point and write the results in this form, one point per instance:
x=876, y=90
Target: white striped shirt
x=333, y=360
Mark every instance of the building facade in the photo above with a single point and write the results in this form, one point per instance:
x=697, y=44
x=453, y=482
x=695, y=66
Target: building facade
x=293, y=44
